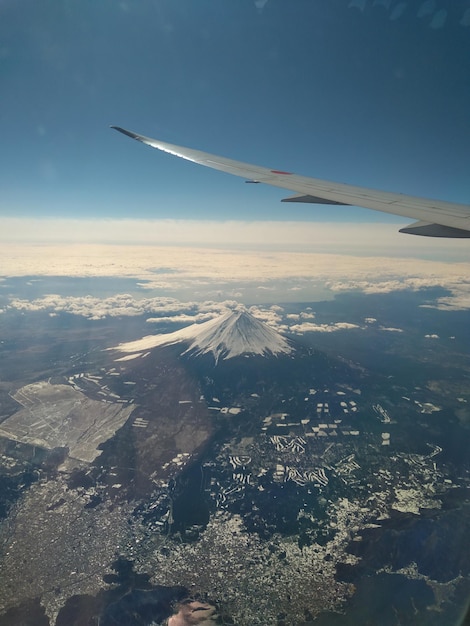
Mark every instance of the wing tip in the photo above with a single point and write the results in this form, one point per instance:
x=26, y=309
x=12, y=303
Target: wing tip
x=125, y=132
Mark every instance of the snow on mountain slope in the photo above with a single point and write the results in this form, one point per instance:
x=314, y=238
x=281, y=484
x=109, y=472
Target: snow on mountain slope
x=232, y=334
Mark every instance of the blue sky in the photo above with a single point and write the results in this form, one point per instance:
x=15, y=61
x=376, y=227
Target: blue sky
x=372, y=92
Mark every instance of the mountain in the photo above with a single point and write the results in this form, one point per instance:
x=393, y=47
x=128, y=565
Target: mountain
x=233, y=334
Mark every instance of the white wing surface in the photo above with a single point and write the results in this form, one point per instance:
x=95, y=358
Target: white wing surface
x=435, y=218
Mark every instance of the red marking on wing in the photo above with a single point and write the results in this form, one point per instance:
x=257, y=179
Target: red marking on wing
x=279, y=172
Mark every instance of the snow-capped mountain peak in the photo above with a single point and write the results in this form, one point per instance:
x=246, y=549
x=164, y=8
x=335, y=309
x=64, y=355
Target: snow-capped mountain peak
x=234, y=333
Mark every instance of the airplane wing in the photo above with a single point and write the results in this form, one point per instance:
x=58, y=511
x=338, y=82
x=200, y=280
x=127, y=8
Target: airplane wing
x=435, y=218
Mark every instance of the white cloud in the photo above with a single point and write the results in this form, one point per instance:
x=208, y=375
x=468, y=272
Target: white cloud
x=184, y=318
x=391, y=329
x=458, y=301
x=345, y=325
x=309, y=327
x=450, y=277
x=271, y=315
x=120, y=305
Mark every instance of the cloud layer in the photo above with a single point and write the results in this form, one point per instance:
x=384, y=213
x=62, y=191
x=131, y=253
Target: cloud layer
x=195, y=275
x=247, y=261
x=334, y=237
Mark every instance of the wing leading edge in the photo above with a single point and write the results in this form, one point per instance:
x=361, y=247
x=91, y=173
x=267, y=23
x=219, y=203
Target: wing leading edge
x=435, y=218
